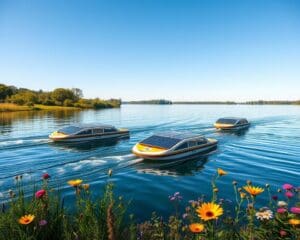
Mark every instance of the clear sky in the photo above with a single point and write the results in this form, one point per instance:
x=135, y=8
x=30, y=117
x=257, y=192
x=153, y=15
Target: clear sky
x=148, y=49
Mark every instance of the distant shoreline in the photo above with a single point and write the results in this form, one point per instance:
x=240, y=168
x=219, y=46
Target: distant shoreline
x=167, y=102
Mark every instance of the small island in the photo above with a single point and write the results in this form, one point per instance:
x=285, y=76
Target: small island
x=23, y=99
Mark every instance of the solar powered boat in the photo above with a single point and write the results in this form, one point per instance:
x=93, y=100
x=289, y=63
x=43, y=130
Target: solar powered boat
x=84, y=132
x=174, y=146
x=232, y=123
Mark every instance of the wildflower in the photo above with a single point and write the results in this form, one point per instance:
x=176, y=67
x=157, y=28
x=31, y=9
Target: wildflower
x=184, y=216
x=40, y=193
x=289, y=194
x=264, y=215
x=282, y=233
x=75, y=183
x=46, y=176
x=282, y=204
x=294, y=221
x=287, y=186
x=295, y=210
x=249, y=182
x=11, y=193
x=253, y=190
x=208, y=211
x=26, y=219
x=216, y=190
x=109, y=172
x=281, y=210
x=234, y=183
x=43, y=223
x=275, y=198
x=175, y=197
x=279, y=190
x=86, y=186
x=267, y=185
x=196, y=227
x=242, y=194
x=221, y=172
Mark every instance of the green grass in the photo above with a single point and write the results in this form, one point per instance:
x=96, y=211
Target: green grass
x=106, y=217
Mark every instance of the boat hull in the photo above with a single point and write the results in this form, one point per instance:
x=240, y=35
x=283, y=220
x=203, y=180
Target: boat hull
x=233, y=128
x=121, y=134
x=179, y=156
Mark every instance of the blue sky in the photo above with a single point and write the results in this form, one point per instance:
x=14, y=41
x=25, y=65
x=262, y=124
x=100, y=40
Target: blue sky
x=148, y=49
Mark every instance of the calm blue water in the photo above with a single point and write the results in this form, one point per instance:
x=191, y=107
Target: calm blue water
x=269, y=152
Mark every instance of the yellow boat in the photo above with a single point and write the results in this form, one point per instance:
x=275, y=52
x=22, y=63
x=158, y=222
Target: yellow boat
x=232, y=123
x=174, y=146
x=84, y=132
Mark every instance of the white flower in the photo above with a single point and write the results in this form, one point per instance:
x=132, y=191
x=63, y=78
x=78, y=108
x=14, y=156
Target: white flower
x=264, y=215
x=282, y=204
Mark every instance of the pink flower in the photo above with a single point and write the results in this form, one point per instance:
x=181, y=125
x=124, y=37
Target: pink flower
x=289, y=194
x=281, y=210
x=40, y=193
x=295, y=210
x=46, y=176
x=287, y=186
x=282, y=233
x=43, y=222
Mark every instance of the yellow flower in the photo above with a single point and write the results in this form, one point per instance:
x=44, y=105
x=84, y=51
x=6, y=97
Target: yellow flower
x=221, y=172
x=196, y=227
x=86, y=186
x=294, y=221
x=253, y=190
x=242, y=194
x=75, y=183
x=208, y=211
x=26, y=219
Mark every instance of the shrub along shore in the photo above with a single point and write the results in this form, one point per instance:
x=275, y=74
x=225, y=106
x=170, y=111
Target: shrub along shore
x=22, y=99
x=45, y=214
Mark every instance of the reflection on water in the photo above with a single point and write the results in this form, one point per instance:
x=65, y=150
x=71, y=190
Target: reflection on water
x=182, y=167
x=86, y=145
x=240, y=132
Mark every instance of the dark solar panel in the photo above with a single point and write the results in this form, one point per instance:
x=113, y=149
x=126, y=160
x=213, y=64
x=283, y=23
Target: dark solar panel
x=160, y=141
x=69, y=129
x=227, y=121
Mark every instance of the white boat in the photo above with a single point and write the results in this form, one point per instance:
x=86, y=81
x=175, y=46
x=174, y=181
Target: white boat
x=232, y=123
x=174, y=146
x=87, y=132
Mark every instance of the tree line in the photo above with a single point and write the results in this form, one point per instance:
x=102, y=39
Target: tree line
x=58, y=97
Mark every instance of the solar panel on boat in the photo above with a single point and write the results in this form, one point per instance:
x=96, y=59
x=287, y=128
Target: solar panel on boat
x=69, y=129
x=160, y=141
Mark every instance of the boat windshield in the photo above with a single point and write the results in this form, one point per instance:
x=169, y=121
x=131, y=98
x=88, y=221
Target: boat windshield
x=160, y=141
x=69, y=130
x=226, y=121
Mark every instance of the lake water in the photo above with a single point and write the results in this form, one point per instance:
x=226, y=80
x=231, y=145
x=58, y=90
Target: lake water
x=268, y=152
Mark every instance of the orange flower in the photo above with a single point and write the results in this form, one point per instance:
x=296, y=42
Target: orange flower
x=196, y=227
x=208, y=211
x=294, y=221
x=221, y=172
x=26, y=219
x=75, y=183
x=253, y=190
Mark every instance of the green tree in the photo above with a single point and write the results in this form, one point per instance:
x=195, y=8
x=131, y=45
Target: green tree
x=5, y=92
x=59, y=95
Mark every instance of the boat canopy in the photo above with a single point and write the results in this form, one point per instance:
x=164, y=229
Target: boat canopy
x=76, y=128
x=228, y=120
x=168, y=140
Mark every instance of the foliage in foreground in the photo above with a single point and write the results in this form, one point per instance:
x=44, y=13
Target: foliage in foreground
x=45, y=216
